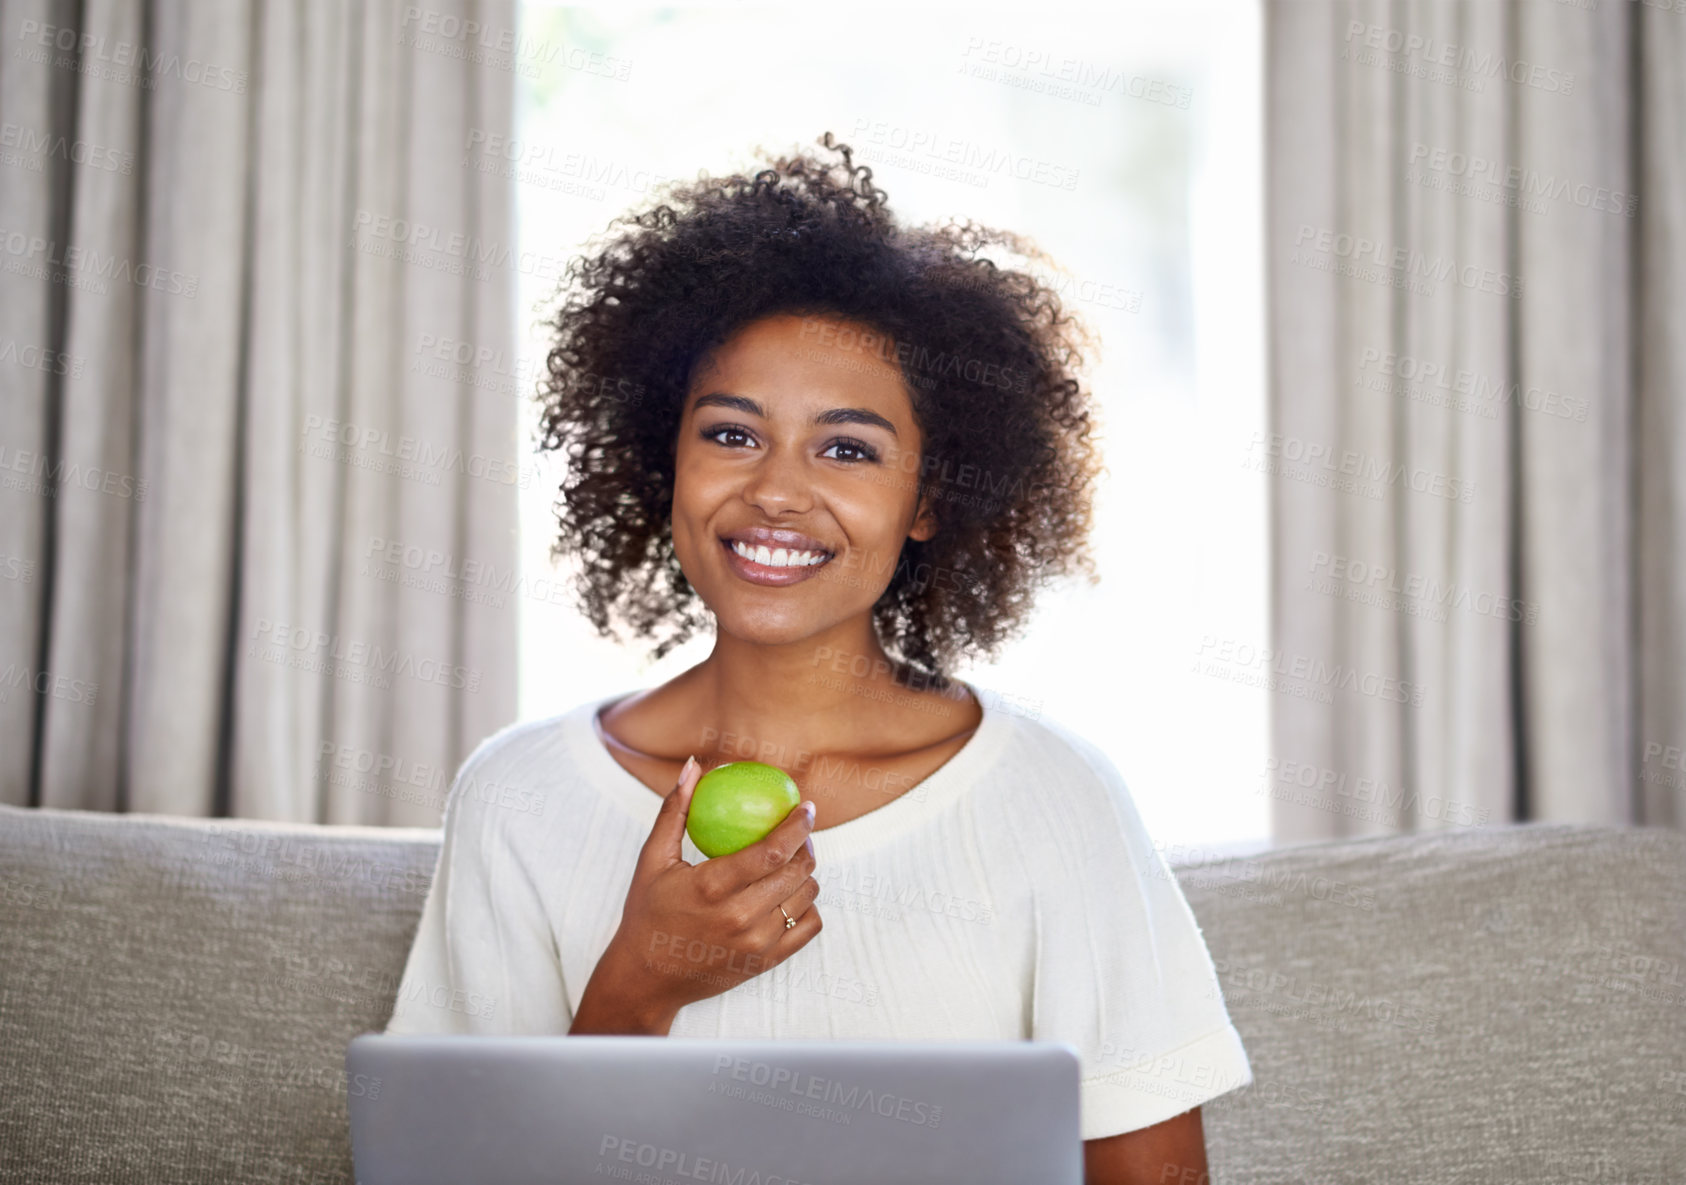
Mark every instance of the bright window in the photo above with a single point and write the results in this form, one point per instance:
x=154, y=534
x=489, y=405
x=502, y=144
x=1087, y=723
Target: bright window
x=1136, y=131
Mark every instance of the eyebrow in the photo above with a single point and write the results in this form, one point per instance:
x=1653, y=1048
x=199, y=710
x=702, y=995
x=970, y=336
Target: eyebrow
x=837, y=415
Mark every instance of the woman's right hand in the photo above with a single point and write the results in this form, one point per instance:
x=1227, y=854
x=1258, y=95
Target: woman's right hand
x=691, y=931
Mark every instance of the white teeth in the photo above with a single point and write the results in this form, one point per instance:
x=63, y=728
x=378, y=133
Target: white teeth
x=779, y=557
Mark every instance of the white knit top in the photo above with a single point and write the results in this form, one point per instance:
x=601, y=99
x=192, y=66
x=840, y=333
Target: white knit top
x=1013, y=894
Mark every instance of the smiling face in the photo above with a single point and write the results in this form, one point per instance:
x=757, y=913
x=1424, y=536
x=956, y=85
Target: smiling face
x=793, y=434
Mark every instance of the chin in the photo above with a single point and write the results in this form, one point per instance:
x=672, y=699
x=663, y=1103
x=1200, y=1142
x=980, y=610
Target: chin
x=768, y=628
x=768, y=633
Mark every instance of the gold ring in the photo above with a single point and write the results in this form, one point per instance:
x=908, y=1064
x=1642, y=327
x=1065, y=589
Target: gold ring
x=789, y=922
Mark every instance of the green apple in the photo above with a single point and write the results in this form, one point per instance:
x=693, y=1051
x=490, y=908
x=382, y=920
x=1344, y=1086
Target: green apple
x=736, y=804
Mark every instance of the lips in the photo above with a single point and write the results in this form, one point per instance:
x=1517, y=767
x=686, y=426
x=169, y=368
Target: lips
x=767, y=574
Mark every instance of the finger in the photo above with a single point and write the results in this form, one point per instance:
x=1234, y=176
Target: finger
x=665, y=846
x=777, y=941
x=799, y=902
x=785, y=880
x=796, y=937
x=768, y=854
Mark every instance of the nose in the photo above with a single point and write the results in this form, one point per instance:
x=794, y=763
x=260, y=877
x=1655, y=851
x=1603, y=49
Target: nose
x=780, y=482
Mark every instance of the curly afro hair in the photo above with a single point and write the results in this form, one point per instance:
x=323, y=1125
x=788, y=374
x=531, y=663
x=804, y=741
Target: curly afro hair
x=987, y=354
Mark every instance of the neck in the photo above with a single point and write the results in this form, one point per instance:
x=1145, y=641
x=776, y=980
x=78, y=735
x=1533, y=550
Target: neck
x=820, y=694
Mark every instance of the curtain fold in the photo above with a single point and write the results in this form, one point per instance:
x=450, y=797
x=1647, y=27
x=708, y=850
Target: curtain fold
x=261, y=528
x=1475, y=263
x=1661, y=418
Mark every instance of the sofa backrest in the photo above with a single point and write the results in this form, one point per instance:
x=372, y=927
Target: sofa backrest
x=1506, y=1003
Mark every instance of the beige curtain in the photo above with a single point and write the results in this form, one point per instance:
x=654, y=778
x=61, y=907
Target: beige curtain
x=1476, y=243
x=257, y=518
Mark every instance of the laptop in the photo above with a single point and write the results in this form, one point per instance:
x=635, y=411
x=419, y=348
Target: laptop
x=675, y=1111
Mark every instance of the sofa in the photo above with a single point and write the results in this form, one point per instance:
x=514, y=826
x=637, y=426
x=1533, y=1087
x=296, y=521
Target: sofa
x=1501, y=1004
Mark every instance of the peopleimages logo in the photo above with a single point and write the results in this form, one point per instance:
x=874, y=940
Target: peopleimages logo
x=449, y=999
x=38, y=146
x=1397, y=800
x=123, y=61
x=683, y=1165
x=43, y=475
x=1528, y=183
x=931, y=145
x=1453, y=594
x=1417, y=376
x=43, y=258
x=1064, y=75
x=392, y=770
x=1425, y=51
x=1370, y=473
x=282, y=637
x=410, y=456
x=445, y=33
x=32, y=357
x=442, y=249
x=1404, y=262
x=830, y=1090
x=913, y=358
x=1228, y=653
x=27, y=678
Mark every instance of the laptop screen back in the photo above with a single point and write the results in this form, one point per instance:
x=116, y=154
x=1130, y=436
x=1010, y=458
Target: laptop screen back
x=654, y=1111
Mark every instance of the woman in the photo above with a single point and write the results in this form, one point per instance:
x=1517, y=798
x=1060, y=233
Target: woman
x=861, y=447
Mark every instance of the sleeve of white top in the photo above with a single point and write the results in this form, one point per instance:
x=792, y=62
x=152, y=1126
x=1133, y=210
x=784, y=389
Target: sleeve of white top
x=1123, y=973
x=483, y=959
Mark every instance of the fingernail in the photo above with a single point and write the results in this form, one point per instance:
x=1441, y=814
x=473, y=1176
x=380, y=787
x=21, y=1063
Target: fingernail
x=810, y=808
x=690, y=764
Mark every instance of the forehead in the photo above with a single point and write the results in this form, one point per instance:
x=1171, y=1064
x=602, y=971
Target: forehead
x=800, y=362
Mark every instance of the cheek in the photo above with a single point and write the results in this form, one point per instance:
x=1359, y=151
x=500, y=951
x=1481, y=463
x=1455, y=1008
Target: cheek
x=699, y=477
x=694, y=483
x=895, y=484
x=875, y=521
x=685, y=515
x=699, y=492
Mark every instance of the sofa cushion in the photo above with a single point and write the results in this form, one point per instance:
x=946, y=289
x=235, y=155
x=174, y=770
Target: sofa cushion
x=1489, y=1004
x=176, y=995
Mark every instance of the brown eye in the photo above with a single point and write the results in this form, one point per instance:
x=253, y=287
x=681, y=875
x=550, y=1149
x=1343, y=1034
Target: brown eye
x=716, y=432
x=866, y=451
